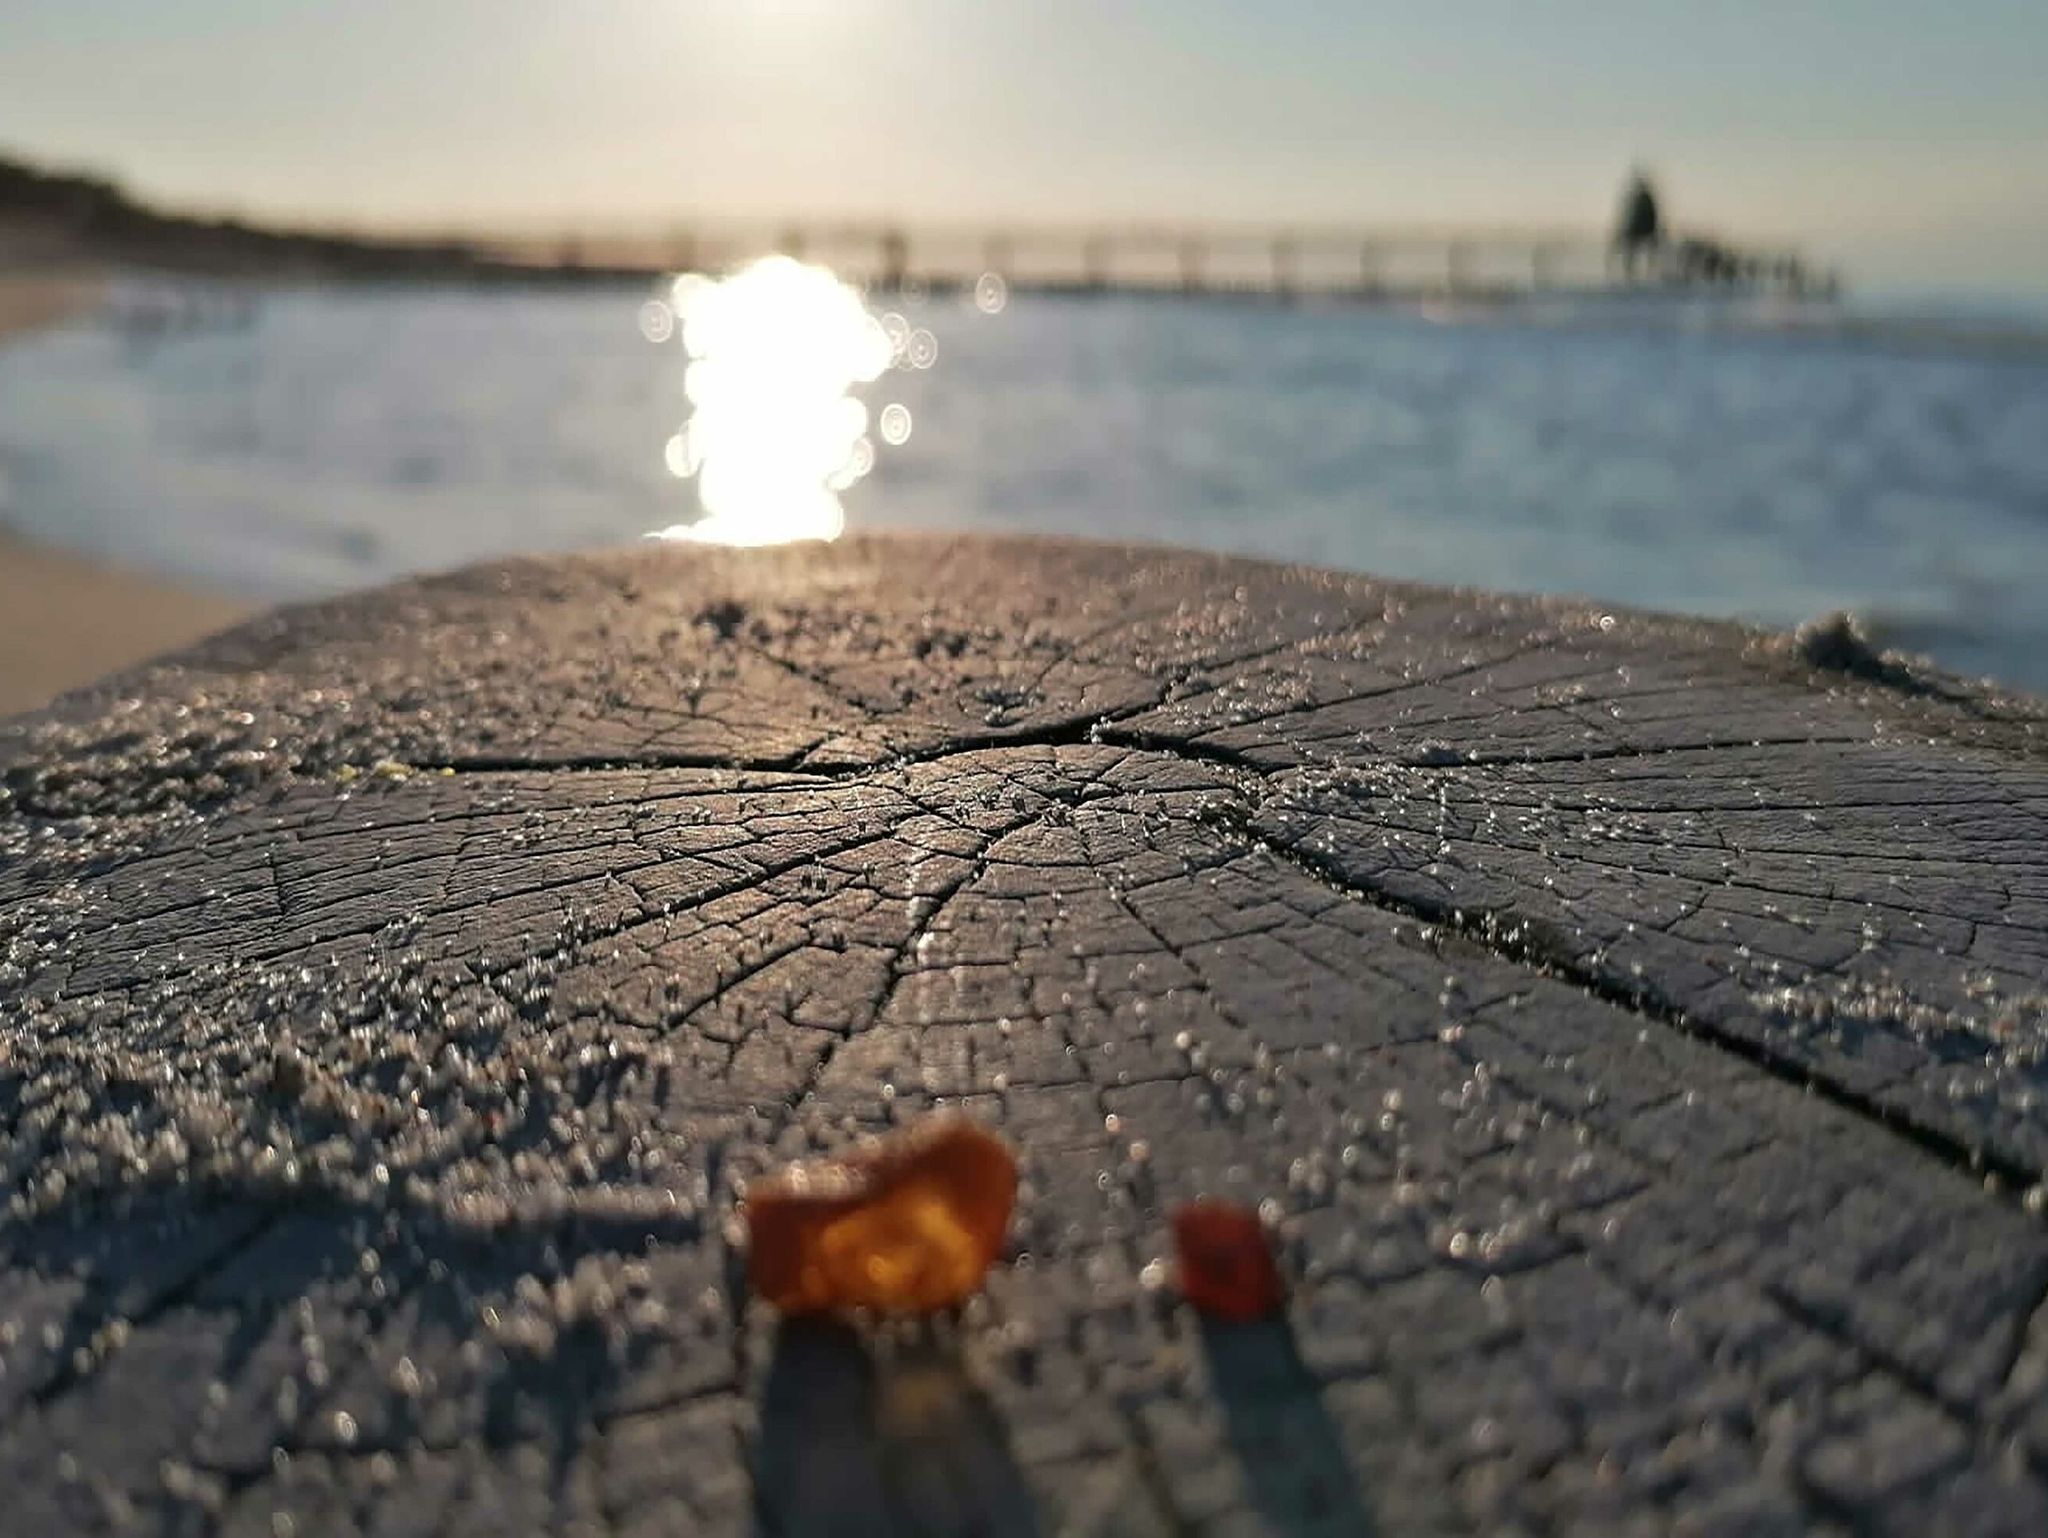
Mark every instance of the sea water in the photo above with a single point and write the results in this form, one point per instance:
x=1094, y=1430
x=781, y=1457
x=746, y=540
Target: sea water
x=1772, y=465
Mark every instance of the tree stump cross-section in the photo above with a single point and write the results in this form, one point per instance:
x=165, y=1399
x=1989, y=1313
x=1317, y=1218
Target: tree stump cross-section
x=1633, y=1025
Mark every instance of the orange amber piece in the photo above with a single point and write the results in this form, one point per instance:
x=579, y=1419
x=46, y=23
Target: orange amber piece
x=906, y=1224
x=1226, y=1265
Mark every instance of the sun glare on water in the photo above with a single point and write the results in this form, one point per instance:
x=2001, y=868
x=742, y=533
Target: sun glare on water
x=775, y=432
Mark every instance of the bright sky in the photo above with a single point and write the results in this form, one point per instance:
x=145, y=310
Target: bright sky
x=1906, y=138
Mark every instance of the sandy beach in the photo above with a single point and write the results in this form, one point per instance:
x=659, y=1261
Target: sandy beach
x=65, y=619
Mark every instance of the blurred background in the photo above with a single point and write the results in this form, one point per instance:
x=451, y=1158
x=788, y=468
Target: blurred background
x=1737, y=309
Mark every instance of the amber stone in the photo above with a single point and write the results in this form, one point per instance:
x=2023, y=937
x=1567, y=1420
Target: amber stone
x=1226, y=1264
x=908, y=1223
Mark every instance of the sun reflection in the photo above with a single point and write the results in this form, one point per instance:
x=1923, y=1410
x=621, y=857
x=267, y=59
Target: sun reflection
x=657, y=321
x=895, y=423
x=773, y=435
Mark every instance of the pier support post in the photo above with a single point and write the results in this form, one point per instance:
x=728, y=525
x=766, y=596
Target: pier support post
x=895, y=258
x=1286, y=256
x=997, y=255
x=1095, y=261
x=1370, y=282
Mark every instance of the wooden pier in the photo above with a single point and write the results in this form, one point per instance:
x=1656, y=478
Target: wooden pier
x=1279, y=261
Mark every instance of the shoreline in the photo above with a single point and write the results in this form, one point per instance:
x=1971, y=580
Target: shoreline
x=68, y=619
x=31, y=300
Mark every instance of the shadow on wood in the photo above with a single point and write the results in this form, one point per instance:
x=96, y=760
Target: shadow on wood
x=884, y=1442
x=283, y=1344
x=1300, y=1482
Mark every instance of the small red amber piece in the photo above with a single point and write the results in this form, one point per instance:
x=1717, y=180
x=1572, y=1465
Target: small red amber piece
x=1226, y=1265
x=908, y=1223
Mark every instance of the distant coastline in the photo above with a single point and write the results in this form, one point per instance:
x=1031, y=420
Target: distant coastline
x=53, y=219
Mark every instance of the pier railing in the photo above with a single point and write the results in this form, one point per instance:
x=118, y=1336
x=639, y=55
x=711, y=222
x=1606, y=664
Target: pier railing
x=1279, y=261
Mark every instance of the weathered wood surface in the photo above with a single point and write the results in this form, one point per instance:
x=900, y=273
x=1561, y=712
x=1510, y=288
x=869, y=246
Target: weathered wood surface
x=1637, y=1023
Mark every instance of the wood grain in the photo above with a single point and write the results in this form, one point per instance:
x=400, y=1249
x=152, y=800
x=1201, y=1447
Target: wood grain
x=1635, y=1023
